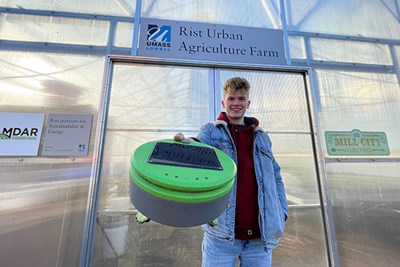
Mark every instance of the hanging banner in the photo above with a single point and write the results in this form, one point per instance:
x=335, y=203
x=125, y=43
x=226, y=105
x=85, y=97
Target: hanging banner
x=356, y=143
x=67, y=135
x=210, y=42
x=20, y=133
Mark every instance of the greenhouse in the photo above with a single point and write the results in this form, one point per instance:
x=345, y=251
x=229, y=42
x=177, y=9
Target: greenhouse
x=84, y=83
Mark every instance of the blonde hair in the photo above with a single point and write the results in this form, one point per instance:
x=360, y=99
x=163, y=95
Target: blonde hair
x=235, y=85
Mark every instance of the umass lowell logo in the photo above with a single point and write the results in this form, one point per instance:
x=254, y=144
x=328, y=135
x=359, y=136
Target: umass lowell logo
x=158, y=38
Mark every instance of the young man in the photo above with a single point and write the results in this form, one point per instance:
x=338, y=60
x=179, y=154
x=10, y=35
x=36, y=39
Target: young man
x=254, y=219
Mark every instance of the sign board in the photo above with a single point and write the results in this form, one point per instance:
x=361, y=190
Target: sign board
x=67, y=135
x=356, y=143
x=210, y=42
x=20, y=133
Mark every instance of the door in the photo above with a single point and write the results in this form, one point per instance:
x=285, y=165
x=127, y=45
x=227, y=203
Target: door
x=153, y=100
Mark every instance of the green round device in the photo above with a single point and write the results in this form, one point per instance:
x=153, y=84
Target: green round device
x=180, y=184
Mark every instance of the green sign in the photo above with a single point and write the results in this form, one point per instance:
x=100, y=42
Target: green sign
x=356, y=143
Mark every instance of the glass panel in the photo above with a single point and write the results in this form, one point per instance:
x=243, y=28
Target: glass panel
x=364, y=101
x=294, y=154
x=397, y=59
x=277, y=99
x=265, y=13
x=37, y=82
x=140, y=94
x=117, y=8
x=353, y=52
x=147, y=103
x=44, y=199
x=297, y=47
x=121, y=241
x=366, y=203
x=303, y=243
x=124, y=34
x=54, y=29
x=42, y=211
x=373, y=18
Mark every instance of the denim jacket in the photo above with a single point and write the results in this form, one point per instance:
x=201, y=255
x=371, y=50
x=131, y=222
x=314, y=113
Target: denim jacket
x=272, y=202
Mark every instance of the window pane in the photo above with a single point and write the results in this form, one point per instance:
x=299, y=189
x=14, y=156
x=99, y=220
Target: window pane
x=35, y=82
x=263, y=14
x=147, y=103
x=54, y=29
x=124, y=34
x=297, y=47
x=372, y=18
x=366, y=204
x=352, y=52
x=116, y=8
x=303, y=243
x=397, y=51
x=140, y=94
x=277, y=99
x=39, y=195
x=294, y=154
x=364, y=101
x=149, y=244
x=44, y=199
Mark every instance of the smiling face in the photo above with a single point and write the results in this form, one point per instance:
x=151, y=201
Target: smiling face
x=235, y=105
x=236, y=99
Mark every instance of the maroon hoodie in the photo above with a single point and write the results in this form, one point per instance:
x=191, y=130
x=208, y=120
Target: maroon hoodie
x=246, y=219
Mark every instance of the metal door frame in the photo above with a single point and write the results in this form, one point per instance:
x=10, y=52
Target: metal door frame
x=311, y=96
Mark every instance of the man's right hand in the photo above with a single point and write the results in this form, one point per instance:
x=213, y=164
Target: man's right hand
x=179, y=137
x=182, y=138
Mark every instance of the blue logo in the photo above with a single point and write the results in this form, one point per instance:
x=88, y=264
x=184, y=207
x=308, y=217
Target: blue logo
x=158, y=38
x=82, y=147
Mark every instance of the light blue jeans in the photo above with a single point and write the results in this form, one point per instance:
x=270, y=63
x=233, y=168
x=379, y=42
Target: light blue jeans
x=250, y=253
